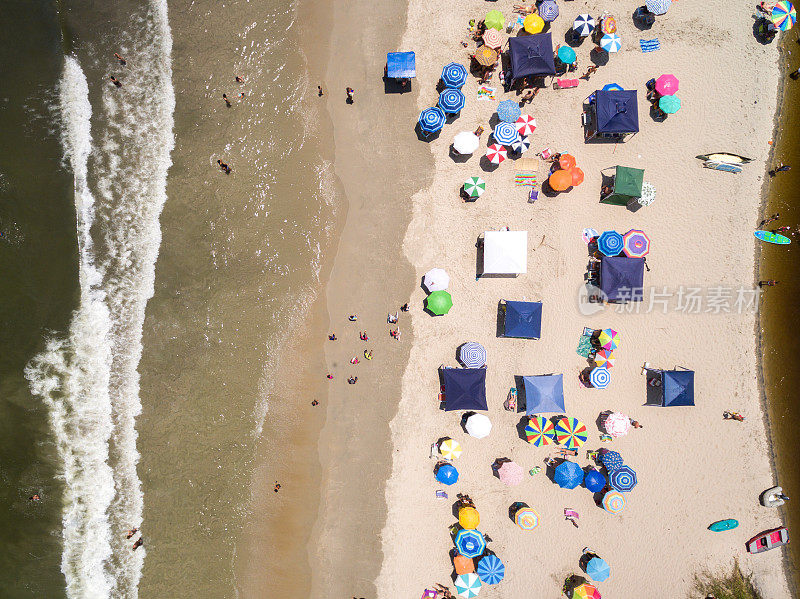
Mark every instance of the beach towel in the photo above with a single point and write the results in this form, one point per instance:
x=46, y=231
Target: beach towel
x=526, y=179
x=650, y=45
x=487, y=93
x=527, y=172
x=584, y=346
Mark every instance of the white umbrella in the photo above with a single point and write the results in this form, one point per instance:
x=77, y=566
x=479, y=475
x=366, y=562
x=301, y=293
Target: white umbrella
x=466, y=142
x=617, y=424
x=436, y=279
x=479, y=426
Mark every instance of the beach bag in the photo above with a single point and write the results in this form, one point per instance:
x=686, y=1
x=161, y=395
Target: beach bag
x=510, y=404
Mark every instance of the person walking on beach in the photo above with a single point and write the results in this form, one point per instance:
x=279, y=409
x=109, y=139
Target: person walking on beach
x=769, y=219
x=392, y=318
x=315, y=403
x=329, y=376
x=368, y=354
x=121, y=60
x=350, y=91
x=238, y=79
x=34, y=498
x=404, y=307
x=395, y=333
x=115, y=81
x=319, y=91
x=227, y=102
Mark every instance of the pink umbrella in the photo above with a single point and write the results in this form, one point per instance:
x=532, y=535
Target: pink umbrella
x=526, y=125
x=496, y=153
x=510, y=473
x=617, y=424
x=666, y=85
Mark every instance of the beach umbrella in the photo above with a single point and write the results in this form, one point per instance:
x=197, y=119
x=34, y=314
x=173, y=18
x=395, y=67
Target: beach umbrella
x=598, y=569
x=463, y=565
x=439, y=302
x=526, y=518
x=613, y=87
x=508, y=111
x=599, y=377
x=505, y=133
x=485, y=56
x=472, y=355
x=608, y=25
x=469, y=518
x=447, y=474
x=608, y=339
x=526, y=125
x=450, y=449
x=617, y=424
x=539, y=431
x=611, y=460
x=496, y=153
x=510, y=473
x=478, y=426
x=637, y=244
x=583, y=25
x=648, y=194
x=492, y=38
x=521, y=145
x=466, y=142
x=436, y=279
x=494, y=20
x=658, y=7
x=594, y=480
x=431, y=120
x=604, y=358
x=567, y=55
x=610, y=243
x=623, y=479
x=491, y=570
x=470, y=543
x=783, y=15
x=548, y=10
x=571, y=433
x=669, y=104
x=666, y=85
x=533, y=23
x=468, y=585
x=474, y=187
x=454, y=75
x=577, y=175
x=611, y=42
x=586, y=591
x=568, y=475
x=560, y=180
x=451, y=100
x=566, y=161
x=614, y=502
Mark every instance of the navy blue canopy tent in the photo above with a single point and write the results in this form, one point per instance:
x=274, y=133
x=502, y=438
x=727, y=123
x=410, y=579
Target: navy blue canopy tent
x=523, y=319
x=531, y=56
x=401, y=65
x=544, y=393
x=464, y=388
x=616, y=111
x=677, y=387
x=622, y=278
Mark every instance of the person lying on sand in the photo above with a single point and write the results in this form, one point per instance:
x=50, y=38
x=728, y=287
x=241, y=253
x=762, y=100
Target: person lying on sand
x=524, y=10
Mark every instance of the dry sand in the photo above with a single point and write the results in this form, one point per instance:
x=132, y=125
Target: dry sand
x=693, y=466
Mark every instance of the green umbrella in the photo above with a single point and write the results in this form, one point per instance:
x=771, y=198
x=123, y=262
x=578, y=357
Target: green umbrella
x=439, y=302
x=474, y=187
x=669, y=104
x=494, y=20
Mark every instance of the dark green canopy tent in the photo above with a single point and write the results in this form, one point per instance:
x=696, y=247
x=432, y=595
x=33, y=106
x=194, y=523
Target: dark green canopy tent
x=627, y=186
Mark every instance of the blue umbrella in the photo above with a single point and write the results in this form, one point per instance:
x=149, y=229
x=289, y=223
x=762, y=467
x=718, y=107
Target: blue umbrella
x=598, y=569
x=470, y=543
x=447, y=474
x=583, y=25
x=454, y=75
x=491, y=570
x=548, y=10
x=451, y=100
x=472, y=355
x=599, y=377
x=611, y=460
x=610, y=243
x=508, y=111
x=613, y=87
x=521, y=145
x=568, y=475
x=567, y=55
x=505, y=133
x=431, y=120
x=658, y=7
x=623, y=479
x=594, y=481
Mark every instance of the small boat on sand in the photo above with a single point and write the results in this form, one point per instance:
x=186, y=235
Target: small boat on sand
x=725, y=157
x=721, y=525
x=773, y=497
x=769, y=539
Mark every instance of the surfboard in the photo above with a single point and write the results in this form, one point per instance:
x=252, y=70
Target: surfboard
x=725, y=157
x=770, y=237
x=721, y=525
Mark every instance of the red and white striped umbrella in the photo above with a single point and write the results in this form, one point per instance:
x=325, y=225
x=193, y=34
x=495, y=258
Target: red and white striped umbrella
x=496, y=153
x=526, y=125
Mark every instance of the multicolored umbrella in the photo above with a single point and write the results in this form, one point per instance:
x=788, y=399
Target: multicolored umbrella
x=594, y=480
x=452, y=100
x=623, y=479
x=637, y=244
x=611, y=42
x=617, y=424
x=526, y=518
x=568, y=475
x=669, y=104
x=608, y=25
x=586, y=591
x=783, y=15
x=539, y=431
x=510, y=473
x=466, y=142
x=470, y=543
x=494, y=20
x=432, y=119
x=469, y=518
x=608, y=339
x=505, y=133
x=567, y=55
x=496, y=153
x=598, y=569
x=533, y=24
x=611, y=460
x=548, y=10
x=491, y=570
x=667, y=84
x=474, y=187
x=610, y=243
x=468, y=585
x=526, y=125
x=472, y=354
x=439, y=302
x=604, y=358
x=599, y=377
x=447, y=474
x=658, y=7
x=613, y=87
x=521, y=145
x=436, y=279
x=571, y=433
x=485, y=56
x=508, y=111
x=614, y=502
x=450, y=449
x=454, y=75
x=492, y=38
x=583, y=25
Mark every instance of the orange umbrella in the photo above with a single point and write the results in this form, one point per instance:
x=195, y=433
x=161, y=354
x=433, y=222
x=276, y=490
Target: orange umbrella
x=485, y=56
x=567, y=161
x=609, y=25
x=560, y=180
x=577, y=175
x=463, y=565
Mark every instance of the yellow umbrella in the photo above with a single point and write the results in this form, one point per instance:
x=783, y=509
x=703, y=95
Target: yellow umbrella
x=468, y=517
x=450, y=449
x=485, y=56
x=533, y=23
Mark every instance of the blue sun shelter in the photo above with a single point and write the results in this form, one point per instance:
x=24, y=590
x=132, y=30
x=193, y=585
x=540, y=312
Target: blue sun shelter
x=401, y=65
x=523, y=320
x=622, y=279
x=672, y=387
x=614, y=112
x=544, y=393
x=464, y=388
x=531, y=56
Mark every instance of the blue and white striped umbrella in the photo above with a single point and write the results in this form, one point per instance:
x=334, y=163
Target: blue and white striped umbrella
x=611, y=42
x=600, y=377
x=491, y=570
x=521, y=145
x=548, y=10
x=623, y=479
x=611, y=460
x=470, y=543
x=472, y=355
x=432, y=120
x=468, y=585
x=584, y=25
x=610, y=243
x=508, y=111
x=454, y=75
x=505, y=133
x=451, y=100
x=658, y=7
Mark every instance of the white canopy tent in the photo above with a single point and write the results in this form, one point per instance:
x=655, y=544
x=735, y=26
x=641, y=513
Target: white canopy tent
x=505, y=252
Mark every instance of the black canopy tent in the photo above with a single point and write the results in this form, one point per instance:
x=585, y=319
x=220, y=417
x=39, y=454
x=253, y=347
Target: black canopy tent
x=531, y=56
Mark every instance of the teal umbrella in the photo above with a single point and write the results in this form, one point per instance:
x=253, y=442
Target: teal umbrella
x=566, y=55
x=669, y=104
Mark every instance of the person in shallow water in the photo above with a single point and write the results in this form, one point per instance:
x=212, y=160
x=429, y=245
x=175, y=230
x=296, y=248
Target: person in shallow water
x=115, y=81
x=139, y=542
x=131, y=532
x=121, y=60
x=225, y=168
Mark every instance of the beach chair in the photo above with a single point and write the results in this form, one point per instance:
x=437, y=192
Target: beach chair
x=565, y=83
x=571, y=515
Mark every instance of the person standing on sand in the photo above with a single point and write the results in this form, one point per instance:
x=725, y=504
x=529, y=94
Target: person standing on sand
x=332, y=336
x=319, y=91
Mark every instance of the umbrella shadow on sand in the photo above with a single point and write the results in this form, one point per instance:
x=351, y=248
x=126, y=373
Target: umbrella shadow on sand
x=458, y=158
x=497, y=464
x=488, y=166
x=426, y=137
x=572, y=583
x=395, y=86
x=514, y=508
x=523, y=422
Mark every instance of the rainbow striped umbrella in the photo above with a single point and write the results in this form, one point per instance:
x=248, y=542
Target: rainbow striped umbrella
x=614, y=502
x=540, y=431
x=527, y=518
x=608, y=339
x=783, y=15
x=586, y=591
x=571, y=433
x=604, y=358
x=599, y=377
x=637, y=244
x=623, y=479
